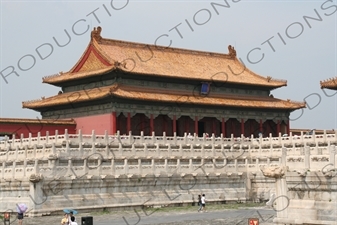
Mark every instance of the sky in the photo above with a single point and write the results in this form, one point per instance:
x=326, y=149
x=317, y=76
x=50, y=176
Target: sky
x=291, y=40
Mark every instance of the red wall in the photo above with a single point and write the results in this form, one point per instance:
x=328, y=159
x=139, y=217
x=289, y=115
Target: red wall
x=25, y=129
x=99, y=123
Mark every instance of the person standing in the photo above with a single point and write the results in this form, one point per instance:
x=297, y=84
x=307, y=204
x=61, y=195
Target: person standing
x=199, y=203
x=72, y=215
x=203, y=203
x=65, y=220
x=20, y=218
x=72, y=221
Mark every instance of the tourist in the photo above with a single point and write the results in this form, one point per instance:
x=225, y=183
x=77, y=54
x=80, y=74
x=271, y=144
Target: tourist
x=190, y=137
x=203, y=203
x=73, y=220
x=20, y=218
x=71, y=215
x=65, y=220
x=199, y=203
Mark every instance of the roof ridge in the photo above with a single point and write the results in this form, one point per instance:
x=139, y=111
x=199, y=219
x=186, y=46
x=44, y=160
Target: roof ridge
x=230, y=55
x=329, y=79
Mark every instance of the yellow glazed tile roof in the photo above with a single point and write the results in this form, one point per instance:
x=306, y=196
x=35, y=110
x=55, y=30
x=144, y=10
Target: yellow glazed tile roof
x=38, y=121
x=162, y=62
x=329, y=84
x=184, y=97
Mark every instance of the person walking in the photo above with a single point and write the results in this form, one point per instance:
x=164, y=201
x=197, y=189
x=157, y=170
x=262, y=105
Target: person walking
x=199, y=203
x=20, y=218
x=65, y=220
x=72, y=221
x=203, y=203
x=21, y=209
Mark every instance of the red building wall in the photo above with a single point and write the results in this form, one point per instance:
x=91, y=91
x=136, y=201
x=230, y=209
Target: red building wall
x=99, y=123
x=26, y=128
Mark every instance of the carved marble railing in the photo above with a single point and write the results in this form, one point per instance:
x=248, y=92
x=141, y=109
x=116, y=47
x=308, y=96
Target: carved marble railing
x=312, y=140
x=72, y=148
x=305, y=188
x=118, y=159
x=49, y=154
x=76, y=167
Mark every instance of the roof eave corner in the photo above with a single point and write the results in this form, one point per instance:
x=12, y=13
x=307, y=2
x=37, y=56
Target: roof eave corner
x=322, y=84
x=302, y=105
x=24, y=105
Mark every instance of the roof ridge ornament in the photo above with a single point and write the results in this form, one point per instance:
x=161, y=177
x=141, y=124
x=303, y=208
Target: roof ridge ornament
x=232, y=51
x=113, y=88
x=96, y=33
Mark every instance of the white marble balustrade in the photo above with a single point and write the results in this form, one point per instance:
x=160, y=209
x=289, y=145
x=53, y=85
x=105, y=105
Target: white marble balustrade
x=130, y=139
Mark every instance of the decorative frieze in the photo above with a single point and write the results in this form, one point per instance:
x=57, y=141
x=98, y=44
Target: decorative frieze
x=169, y=110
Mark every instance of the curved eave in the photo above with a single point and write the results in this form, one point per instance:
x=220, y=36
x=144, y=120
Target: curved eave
x=66, y=77
x=37, y=121
x=61, y=79
x=329, y=84
x=154, y=95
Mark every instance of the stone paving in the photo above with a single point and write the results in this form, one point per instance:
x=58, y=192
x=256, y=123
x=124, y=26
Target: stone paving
x=173, y=216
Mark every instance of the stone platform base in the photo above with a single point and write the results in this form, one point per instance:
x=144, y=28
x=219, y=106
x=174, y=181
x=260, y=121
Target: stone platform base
x=50, y=196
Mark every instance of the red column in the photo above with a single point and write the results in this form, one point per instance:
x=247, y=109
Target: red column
x=196, y=131
x=261, y=126
x=151, y=124
x=164, y=124
x=128, y=122
x=268, y=128
x=186, y=124
x=174, y=124
x=242, y=126
x=142, y=120
x=278, y=127
x=233, y=126
x=223, y=127
x=214, y=126
x=114, y=123
x=288, y=127
x=251, y=124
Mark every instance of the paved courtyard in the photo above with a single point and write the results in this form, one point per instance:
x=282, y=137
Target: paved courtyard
x=172, y=216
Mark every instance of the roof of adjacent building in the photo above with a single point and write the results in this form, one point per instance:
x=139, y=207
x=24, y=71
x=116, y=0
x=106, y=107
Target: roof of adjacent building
x=157, y=95
x=105, y=55
x=37, y=121
x=329, y=84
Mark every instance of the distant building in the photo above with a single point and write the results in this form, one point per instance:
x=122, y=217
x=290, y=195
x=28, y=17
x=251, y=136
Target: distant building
x=14, y=126
x=125, y=86
x=329, y=84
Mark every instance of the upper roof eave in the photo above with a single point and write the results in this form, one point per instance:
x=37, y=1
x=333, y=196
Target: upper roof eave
x=143, y=94
x=59, y=79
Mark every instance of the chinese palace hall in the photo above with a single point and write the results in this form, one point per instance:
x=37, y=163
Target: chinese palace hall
x=132, y=87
